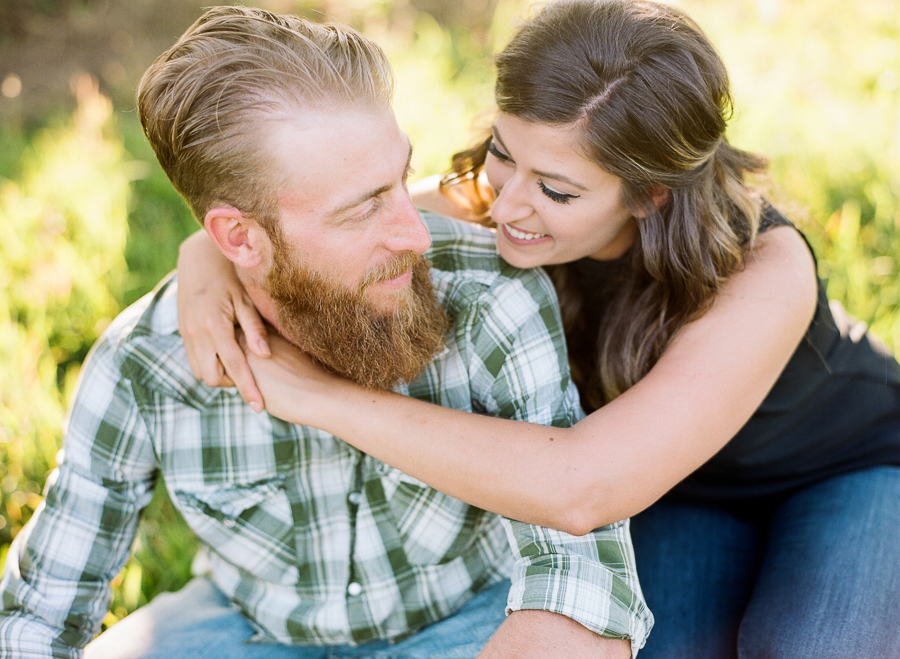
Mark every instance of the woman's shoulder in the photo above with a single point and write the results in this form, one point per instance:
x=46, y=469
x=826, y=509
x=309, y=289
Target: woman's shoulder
x=770, y=217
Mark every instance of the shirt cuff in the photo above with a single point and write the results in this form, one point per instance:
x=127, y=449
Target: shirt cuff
x=590, y=579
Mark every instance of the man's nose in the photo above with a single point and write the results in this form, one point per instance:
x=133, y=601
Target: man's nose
x=407, y=232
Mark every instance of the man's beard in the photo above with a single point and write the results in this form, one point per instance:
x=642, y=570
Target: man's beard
x=344, y=331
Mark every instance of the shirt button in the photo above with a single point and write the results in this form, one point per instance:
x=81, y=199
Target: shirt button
x=229, y=523
x=354, y=498
x=354, y=589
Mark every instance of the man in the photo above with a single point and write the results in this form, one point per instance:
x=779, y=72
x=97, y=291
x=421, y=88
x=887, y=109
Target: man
x=280, y=136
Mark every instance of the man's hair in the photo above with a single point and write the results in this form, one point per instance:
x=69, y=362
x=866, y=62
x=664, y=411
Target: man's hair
x=204, y=101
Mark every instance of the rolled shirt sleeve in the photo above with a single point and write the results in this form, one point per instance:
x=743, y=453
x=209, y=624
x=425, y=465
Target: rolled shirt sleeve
x=591, y=579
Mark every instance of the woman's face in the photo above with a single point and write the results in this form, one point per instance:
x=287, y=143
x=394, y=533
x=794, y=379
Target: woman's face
x=553, y=204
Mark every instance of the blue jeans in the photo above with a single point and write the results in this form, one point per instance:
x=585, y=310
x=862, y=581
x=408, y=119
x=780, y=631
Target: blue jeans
x=816, y=575
x=198, y=622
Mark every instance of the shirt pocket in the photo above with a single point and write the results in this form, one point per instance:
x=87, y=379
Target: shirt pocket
x=248, y=524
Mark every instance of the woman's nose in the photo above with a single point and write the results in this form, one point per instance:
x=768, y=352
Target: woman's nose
x=511, y=203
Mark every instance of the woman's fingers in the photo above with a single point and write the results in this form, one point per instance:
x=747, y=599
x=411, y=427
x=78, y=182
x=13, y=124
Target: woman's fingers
x=254, y=328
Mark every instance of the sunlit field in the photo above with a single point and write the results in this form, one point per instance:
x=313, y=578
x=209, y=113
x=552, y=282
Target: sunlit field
x=89, y=223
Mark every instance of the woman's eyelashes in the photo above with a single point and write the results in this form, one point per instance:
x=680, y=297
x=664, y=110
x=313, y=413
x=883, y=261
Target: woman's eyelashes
x=497, y=153
x=553, y=195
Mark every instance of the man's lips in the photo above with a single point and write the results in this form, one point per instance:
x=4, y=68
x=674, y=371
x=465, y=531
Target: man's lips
x=399, y=281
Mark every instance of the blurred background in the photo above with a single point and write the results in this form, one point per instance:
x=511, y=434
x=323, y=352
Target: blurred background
x=89, y=222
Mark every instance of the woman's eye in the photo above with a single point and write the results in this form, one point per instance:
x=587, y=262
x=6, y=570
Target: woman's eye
x=553, y=195
x=497, y=153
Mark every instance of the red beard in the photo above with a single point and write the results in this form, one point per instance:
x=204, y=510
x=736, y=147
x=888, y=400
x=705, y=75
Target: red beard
x=344, y=331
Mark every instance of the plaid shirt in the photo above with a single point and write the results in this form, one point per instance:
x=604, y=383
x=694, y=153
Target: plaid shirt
x=317, y=542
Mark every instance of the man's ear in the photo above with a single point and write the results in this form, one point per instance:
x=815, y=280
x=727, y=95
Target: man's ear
x=239, y=237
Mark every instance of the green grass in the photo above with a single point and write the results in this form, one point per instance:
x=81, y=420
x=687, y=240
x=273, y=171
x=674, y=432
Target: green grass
x=90, y=223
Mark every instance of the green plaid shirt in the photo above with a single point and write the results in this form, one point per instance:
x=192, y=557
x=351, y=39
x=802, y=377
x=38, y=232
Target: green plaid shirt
x=316, y=542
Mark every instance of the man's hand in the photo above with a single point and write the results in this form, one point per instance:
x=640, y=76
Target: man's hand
x=541, y=634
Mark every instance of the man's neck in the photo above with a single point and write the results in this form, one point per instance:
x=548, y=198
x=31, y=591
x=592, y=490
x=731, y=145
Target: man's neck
x=263, y=302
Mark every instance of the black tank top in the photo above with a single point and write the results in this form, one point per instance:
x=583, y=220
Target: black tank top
x=834, y=408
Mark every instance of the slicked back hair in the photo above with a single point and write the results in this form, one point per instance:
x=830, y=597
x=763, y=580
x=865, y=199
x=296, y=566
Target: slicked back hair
x=204, y=103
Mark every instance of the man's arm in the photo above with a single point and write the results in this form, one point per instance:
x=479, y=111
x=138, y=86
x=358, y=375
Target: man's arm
x=541, y=634
x=589, y=580
x=55, y=588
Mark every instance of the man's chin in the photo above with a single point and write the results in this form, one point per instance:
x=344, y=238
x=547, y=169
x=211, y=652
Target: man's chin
x=386, y=302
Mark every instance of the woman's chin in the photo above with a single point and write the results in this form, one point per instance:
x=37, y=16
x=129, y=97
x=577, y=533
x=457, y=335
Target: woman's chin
x=519, y=258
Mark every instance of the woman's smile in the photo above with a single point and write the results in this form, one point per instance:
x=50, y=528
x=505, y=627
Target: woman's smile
x=520, y=236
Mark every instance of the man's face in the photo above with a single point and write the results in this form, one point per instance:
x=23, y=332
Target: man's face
x=346, y=274
x=343, y=204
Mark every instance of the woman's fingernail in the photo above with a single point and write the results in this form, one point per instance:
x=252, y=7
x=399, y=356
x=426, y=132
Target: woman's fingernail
x=264, y=347
x=256, y=407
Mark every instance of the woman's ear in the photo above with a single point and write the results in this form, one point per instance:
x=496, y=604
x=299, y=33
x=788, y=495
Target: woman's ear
x=659, y=197
x=239, y=237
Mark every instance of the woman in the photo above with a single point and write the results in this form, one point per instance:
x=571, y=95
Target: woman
x=755, y=436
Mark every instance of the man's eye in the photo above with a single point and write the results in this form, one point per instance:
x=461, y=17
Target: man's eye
x=553, y=195
x=367, y=212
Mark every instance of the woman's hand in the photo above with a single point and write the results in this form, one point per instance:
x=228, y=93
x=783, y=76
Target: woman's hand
x=211, y=302
x=293, y=385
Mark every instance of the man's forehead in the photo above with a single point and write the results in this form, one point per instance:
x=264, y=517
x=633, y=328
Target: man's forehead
x=336, y=160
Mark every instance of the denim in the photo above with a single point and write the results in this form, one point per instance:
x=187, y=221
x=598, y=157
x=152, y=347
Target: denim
x=815, y=574
x=198, y=622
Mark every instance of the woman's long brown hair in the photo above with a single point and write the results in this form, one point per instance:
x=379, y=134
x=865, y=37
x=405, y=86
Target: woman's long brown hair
x=651, y=97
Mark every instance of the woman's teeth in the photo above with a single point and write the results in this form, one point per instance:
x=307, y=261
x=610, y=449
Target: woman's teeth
x=523, y=235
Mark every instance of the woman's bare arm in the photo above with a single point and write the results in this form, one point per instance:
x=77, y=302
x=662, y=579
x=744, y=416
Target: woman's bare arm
x=615, y=462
